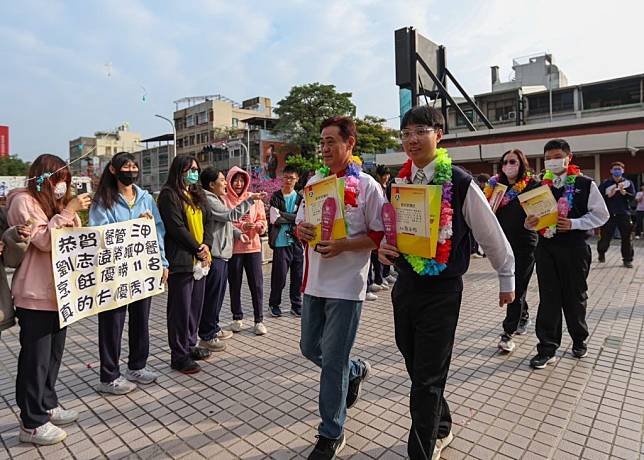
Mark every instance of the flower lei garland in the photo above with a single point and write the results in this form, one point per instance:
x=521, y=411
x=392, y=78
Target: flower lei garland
x=511, y=194
x=548, y=177
x=442, y=176
x=351, y=180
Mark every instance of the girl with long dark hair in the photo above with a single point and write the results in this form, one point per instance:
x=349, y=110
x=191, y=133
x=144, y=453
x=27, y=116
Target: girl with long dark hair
x=119, y=199
x=45, y=203
x=515, y=174
x=188, y=239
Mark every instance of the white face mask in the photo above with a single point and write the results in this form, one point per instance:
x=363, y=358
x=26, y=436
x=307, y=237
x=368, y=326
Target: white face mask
x=557, y=165
x=60, y=190
x=511, y=171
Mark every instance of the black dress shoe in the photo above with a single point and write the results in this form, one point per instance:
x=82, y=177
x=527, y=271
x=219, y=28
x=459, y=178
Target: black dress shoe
x=541, y=361
x=580, y=350
x=602, y=258
x=628, y=264
x=198, y=353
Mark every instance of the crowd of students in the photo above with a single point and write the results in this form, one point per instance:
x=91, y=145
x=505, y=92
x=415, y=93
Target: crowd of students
x=209, y=225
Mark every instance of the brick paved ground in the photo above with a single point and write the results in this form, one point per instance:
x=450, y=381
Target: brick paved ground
x=258, y=399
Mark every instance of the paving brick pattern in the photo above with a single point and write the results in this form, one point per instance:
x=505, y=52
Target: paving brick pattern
x=259, y=398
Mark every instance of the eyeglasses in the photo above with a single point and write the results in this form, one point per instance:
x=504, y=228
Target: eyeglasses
x=405, y=134
x=510, y=162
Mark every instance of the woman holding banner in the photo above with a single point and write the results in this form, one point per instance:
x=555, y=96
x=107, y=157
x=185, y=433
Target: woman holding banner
x=119, y=199
x=45, y=203
x=189, y=233
x=515, y=176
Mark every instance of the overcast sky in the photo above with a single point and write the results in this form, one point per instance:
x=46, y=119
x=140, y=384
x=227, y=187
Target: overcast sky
x=72, y=68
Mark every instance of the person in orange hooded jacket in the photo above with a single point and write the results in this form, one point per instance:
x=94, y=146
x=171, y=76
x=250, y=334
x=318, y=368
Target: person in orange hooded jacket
x=247, y=256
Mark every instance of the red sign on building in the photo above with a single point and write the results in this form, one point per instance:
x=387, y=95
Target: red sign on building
x=4, y=141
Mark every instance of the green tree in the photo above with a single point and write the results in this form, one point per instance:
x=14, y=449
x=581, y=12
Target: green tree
x=13, y=166
x=303, y=164
x=374, y=136
x=304, y=109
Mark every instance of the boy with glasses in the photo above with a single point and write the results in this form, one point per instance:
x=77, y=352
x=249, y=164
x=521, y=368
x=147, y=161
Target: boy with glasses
x=427, y=295
x=287, y=250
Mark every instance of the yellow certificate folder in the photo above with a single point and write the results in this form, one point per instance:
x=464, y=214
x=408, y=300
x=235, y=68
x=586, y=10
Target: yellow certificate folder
x=541, y=203
x=314, y=196
x=418, y=210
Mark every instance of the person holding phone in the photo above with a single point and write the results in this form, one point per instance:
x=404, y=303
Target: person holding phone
x=246, y=256
x=119, y=199
x=214, y=184
x=46, y=203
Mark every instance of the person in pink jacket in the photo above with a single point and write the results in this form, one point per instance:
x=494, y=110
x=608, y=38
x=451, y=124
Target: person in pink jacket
x=246, y=256
x=45, y=203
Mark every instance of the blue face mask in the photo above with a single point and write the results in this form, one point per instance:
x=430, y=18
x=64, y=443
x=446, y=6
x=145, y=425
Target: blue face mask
x=617, y=172
x=191, y=178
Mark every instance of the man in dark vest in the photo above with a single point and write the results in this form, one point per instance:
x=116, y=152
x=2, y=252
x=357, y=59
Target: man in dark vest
x=287, y=249
x=617, y=191
x=427, y=295
x=563, y=255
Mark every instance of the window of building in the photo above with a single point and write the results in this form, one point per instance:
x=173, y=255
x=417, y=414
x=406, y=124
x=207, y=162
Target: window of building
x=501, y=110
x=211, y=115
x=163, y=160
x=612, y=94
x=460, y=121
x=235, y=122
x=163, y=177
x=190, y=121
x=192, y=140
x=147, y=163
x=179, y=143
x=202, y=117
x=562, y=101
x=179, y=123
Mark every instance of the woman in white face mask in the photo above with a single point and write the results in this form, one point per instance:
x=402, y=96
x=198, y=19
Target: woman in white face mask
x=44, y=204
x=515, y=174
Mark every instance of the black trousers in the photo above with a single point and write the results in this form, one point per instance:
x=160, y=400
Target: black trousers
x=625, y=225
x=425, y=325
x=289, y=257
x=517, y=311
x=42, y=344
x=562, y=272
x=639, y=216
x=216, y=283
x=251, y=263
x=185, y=302
x=110, y=332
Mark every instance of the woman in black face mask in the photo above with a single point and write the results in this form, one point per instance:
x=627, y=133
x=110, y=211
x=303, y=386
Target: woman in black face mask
x=118, y=199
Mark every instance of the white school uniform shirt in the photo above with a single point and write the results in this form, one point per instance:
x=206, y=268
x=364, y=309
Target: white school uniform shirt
x=345, y=275
x=597, y=214
x=485, y=227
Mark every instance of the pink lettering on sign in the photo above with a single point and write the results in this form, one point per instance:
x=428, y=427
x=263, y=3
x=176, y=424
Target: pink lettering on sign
x=389, y=221
x=329, y=209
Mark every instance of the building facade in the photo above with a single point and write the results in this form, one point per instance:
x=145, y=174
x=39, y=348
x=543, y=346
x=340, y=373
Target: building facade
x=603, y=121
x=154, y=162
x=4, y=141
x=103, y=146
x=206, y=120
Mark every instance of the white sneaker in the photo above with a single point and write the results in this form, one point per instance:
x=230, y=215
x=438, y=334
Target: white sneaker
x=506, y=344
x=120, y=386
x=44, y=435
x=236, y=325
x=143, y=376
x=442, y=443
x=371, y=296
x=374, y=288
x=384, y=285
x=59, y=416
x=213, y=344
x=391, y=279
x=223, y=335
x=260, y=329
